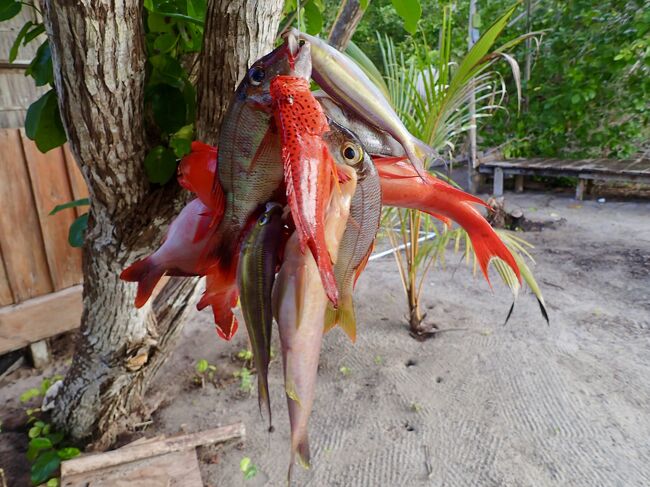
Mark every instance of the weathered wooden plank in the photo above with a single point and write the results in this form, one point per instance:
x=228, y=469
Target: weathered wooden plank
x=39, y=318
x=127, y=454
x=6, y=297
x=20, y=231
x=49, y=177
x=77, y=182
x=172, y=469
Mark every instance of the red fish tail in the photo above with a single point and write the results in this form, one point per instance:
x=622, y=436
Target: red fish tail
x=485, y=241
x=221, y=294
x=147, y=275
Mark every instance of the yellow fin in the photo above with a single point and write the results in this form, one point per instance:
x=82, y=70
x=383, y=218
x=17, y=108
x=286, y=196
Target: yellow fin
x=290, y=389
x=343, y=316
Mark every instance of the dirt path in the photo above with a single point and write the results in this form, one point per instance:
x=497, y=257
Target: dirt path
x=519, y=405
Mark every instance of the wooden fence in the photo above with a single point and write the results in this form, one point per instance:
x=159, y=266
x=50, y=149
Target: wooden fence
x=40, y=272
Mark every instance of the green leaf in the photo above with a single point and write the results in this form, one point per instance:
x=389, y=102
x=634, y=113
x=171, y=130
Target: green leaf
x=159, y=23
x=9, y=9
x=410, y=11
x=40, y=443
x=43, y=123
x=181, y=147
x=54, y=482
x=34, y=431
x=41, y=66
x=34, y=33
x=29, y=394
x=364, y=4
x=313, y=18
x=165, y=42
x=202, y=366
x=45, y=465
x=78, y=230
x=169, y=108
x=13, y=52
x=160, y=165
x=70, y=204
x=55, y=438
x=68, y=453
x=167, y=70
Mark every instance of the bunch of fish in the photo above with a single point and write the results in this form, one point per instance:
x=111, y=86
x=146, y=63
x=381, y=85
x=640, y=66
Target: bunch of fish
x=287, y=210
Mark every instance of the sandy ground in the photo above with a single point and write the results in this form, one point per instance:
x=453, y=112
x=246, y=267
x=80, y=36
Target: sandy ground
x=524, y=404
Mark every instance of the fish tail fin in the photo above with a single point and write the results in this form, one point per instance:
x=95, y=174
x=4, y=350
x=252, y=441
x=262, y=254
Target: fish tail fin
x=302, y=451
x=343, y=316
x=263, y=397
x=485, y=241
x=221, y=293
x=146, y=274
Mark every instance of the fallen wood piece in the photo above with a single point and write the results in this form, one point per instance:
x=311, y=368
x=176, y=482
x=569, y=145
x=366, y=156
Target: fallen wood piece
x=176, y=469
x=140, y=451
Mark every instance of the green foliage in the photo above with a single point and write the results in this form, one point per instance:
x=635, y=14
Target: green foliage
x=70, y=204
x=43, y=123
x=205, y=371
x=410, y=11
x=47, y=447
x=590, y=83
x=248, y=468
x=9, y=9
x=77, y=231
x=245, y=380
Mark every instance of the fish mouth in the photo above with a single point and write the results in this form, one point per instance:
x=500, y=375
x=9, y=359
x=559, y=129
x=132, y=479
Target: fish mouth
x=299, y=53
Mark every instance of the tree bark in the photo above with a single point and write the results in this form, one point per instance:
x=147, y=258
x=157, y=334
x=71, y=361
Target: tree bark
x=347, y=20
x=243, y=31
x=99, y=61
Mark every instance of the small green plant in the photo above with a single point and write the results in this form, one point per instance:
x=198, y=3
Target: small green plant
x=47, y=447
x=246, y=356
x=248, y=468
x=379, y=360
x=345, y=370
x=245, y=380
x=204, y=370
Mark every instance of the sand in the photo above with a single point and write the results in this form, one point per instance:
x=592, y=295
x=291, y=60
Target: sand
x=523, y=404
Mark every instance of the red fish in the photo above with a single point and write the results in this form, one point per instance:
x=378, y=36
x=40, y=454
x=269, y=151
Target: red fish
x=196, y=173
x=402, y=186
x=308, y=168
x=177, y=256
x=222, y=294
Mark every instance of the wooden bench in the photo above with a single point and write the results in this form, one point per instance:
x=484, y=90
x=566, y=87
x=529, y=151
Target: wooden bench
x=586, y=170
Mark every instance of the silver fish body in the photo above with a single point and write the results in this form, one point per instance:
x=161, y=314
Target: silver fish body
x=258, y=261
x=345, y=81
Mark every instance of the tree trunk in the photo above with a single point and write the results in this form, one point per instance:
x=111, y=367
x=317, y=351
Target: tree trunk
x=347, y=20
x=242, y=32
x=99, y=64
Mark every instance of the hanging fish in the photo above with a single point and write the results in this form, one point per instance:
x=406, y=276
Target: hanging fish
x=308, y=168
x=258, y=262
x=361, y=228
x=299, y=303
x=342, y=79
x=177, y=256
x=249, y=169
x=401, y=186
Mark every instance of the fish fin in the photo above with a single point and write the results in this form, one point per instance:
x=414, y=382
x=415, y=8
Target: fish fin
x=222, y=294
x=362, y=265
x=203, y=227
x=343, y=316
x=442, y=218
x=147, y=275
x=267, y=144
x=263, y=397
x=302, y=452
x=330, y=318
x=290, y=390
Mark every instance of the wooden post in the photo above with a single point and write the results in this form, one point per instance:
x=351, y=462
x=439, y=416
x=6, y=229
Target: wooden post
x=40, y=354
x=498, y=181
x=519, y=183
x=580, y=189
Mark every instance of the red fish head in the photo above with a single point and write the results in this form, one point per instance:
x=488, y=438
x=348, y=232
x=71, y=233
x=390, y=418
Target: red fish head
x=292, y=58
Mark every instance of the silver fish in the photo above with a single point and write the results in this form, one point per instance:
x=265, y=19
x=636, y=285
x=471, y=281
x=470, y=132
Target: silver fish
x=345, y=81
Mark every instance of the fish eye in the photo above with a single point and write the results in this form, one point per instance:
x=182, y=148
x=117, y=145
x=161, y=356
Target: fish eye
x=256, y=75
x=264, y=219
x=352, y=153
x=301, y=42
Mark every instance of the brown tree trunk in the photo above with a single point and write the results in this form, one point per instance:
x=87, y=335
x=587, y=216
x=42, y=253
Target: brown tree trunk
x=347, y=20
x=99, y=63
